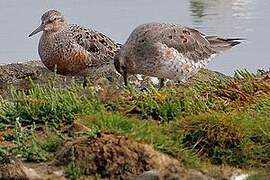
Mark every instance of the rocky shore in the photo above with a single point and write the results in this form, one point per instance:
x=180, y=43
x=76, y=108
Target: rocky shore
x=18, y=73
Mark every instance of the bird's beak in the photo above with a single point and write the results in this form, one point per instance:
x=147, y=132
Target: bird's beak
x=40, y=28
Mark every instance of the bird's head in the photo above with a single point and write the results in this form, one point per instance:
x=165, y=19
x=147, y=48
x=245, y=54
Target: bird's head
x=51, y=21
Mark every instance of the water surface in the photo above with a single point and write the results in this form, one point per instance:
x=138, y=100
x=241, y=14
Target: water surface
x=117, y=18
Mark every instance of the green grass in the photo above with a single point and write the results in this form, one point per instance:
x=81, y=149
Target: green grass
x=222, y=122
x=33, y=145
x=235, y=138
x=40, y=105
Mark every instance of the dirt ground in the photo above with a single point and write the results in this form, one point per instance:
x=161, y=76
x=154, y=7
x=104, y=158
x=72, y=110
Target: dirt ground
x=108, y=155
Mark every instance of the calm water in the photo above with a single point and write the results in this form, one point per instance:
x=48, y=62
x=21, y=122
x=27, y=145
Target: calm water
x=248, y=19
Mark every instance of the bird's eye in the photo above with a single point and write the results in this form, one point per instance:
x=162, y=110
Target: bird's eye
x=52, y=20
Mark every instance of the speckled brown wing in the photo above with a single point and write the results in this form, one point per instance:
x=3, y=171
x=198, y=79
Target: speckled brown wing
x=190, y=42
x=100, y=47
x=187, y=41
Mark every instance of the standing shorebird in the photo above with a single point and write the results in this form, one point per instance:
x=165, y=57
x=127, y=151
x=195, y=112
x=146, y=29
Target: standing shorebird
x=168, y=51
x=73, y=49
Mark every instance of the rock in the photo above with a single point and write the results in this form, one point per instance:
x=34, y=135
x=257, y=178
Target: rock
x=76, y=129
x=32, y=174
x=149, y=175
x=12, y=72
x=197, y=175
x=17, y=74
x=11, y=168
x=166, y=175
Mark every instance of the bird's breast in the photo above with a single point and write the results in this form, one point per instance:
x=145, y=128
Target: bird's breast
x=67, y=59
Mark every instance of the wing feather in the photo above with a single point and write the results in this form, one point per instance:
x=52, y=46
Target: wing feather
x=187, y=41
x=101, y=48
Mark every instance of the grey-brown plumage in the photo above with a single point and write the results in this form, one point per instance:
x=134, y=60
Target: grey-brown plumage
x=74, y=49
x=168, y=51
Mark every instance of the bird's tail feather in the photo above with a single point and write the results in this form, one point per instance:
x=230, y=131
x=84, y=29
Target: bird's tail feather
x=222, y=44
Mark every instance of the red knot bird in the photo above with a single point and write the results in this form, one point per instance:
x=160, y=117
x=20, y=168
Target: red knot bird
x=168, y=51
x=74, y=50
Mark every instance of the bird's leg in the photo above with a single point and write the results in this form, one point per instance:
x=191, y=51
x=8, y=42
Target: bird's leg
x=85, y=81
x=125, y=76
x=125, y=80
x=161, y=83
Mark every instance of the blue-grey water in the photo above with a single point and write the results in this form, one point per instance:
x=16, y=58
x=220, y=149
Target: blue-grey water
x=248, y=19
